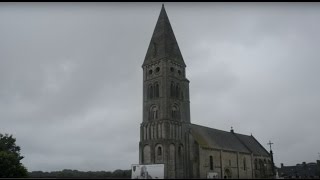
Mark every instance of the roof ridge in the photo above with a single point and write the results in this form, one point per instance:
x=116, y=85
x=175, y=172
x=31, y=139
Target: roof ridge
x=243, y=134
x=218, y=129
x=210, y=128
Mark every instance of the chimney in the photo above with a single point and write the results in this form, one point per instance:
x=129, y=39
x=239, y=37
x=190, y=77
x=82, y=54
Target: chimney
x=281, y=165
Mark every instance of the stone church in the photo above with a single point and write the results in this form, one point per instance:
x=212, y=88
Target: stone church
x=167, y=135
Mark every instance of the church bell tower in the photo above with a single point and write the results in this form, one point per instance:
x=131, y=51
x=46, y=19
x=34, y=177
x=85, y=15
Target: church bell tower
x=166, y=105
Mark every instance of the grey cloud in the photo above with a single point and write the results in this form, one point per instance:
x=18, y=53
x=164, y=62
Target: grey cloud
x=71, y=77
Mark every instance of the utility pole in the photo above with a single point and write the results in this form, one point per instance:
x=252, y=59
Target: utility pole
x=272, y=163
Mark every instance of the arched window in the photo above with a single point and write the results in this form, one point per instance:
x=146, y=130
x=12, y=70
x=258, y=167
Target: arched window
x=211, y=163
x=260, y=164
x=255, y=164
x=175, y=112
x=244, y=164
x=159, y=151
x=177, y=91
x=151, y=91
x=157, y=69
x=172, y=89
x=262, y=168
x=156, y=90
x=153, y=114
x=228, y=173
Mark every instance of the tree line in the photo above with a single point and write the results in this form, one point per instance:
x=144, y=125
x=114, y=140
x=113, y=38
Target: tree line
x=67, y=173
x=11, y=166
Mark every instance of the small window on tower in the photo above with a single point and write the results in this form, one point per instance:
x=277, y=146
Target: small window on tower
x=172, y=69
x=157, y=69
x=150, y=71
x=179, y=72
x=177, y=91
x=153, y=114
x=172, y=89
x=156, y=89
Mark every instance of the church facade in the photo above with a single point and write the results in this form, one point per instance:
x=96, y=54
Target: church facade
x=167, y=135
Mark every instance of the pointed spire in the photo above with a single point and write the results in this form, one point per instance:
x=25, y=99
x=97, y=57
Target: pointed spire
x=163, y=43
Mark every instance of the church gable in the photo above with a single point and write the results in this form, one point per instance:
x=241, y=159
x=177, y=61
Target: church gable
x=253, y=145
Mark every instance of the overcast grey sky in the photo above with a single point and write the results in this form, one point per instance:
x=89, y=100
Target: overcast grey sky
x=71, y=77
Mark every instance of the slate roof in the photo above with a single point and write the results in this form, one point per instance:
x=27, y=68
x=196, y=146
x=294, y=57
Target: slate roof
x=218, y=139
x=163, y=43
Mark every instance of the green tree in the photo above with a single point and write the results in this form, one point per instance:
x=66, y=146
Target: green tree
x=10, y=165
